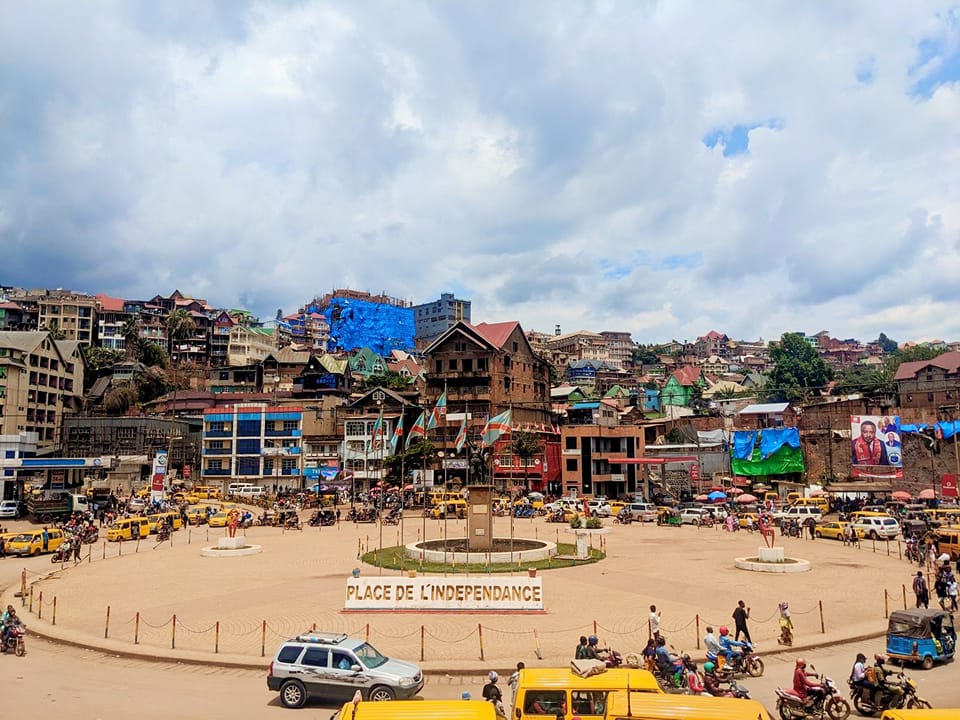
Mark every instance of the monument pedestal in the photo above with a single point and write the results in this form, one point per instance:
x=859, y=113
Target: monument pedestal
x=770, y=554
x=231, y=543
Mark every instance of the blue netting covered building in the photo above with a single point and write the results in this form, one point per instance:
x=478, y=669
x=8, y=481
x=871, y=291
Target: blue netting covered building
x=359, y=320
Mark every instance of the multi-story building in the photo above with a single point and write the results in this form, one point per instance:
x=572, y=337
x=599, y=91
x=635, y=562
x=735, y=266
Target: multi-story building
x=588, y=455
x=486, y=369
x=364, y=455
x=432, y=318
x=582, y=345
x=929, y=385
x=11, y=315
x=73, y=314
x=40, y=378
x=253, y=442
x=249, y=345
x=620, y=346
x=111, y=317
x=246, y=379
x=220, y=329
x=358, y=319
x=713, y=343
x=306, y=330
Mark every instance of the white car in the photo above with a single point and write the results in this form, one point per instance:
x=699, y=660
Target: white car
x=600, y=508
x=10, y=509
x=877, y=528
x=694, y=516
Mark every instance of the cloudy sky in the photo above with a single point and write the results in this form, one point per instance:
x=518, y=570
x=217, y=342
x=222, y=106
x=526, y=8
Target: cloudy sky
x=663, y=168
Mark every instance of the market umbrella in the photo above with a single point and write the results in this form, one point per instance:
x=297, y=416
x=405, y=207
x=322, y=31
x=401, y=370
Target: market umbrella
x=716, y=496
x=735, y=490
x=408, y=488
x=816, y=493
x=900, y=495
x=701, y=498
x=746, y=498
x=927, y=494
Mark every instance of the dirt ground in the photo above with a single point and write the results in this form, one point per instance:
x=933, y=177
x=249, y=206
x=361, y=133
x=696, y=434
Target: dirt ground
x=237, y=610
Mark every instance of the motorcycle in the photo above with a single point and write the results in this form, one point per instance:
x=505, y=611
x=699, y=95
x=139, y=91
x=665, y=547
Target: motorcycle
x=624, y=517
x=867, y=703
x=747, y=663
x=163, y=533
x=831, y=703
x=14, y=640
x=62, y=553
x=392, y=518
x=673, y=680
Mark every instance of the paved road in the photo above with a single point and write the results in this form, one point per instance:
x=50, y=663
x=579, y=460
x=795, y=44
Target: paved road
x=64, y=683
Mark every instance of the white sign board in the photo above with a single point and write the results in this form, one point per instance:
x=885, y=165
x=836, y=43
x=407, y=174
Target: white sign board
x=444, y=593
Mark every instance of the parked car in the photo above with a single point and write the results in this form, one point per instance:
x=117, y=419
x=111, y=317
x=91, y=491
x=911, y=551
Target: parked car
x=833, y=530
x=694, y=516
x=12, y=509
x=800, y=513
x=600, y=508
x=334, y=666
x=877, y=528
x=643, y=512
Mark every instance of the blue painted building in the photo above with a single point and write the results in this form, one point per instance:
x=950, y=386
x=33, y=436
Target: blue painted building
x=253, y=442
x=358, y=320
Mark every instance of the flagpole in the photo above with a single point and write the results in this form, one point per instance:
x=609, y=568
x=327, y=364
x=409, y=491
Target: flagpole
x=511, y=491
x=403, y=488
x=380, y=485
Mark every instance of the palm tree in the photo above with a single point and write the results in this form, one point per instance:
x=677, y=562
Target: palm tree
x=131, y=337
x=525, y=445
x=180, y=326
x=56, y=332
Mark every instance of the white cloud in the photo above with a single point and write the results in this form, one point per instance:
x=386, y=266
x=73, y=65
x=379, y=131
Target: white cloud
x=546, y=158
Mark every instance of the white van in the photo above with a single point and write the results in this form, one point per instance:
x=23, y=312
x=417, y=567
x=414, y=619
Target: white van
x=235, y=488
x=251, y=491
x=800, y=513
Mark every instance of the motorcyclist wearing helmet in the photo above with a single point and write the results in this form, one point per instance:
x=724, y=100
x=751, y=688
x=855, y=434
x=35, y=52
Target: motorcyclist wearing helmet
x=712, y=682
x=593, y=651
x=803, y=685
x=667, y=663
x=880, y=674
x=581, y=652
x=8, y=620
x=729, y=646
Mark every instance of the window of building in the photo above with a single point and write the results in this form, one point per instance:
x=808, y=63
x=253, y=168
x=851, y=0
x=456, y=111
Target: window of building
x=356, y=427
x=452, y=364
x=481, y=363
x=571, y=465
x=467, y=365
x=439, y=366
x=216, y=426
x=216, y=445
x=506, y=384
x=215, y=464
x=929, y=397
x=249, y=428
x=289, y=425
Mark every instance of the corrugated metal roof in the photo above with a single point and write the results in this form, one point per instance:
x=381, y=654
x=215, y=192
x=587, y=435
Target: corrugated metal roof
x=765, y=408
x=585, y=406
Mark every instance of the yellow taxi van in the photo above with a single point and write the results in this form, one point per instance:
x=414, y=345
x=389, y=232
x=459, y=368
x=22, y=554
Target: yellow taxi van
x=623, y=705
x=31, y=542
x=155, y=518
x=418, y=710
x=820, y=502
x=207, y=492
x=949, y=541
x=131, y=528
x=928, y=714
x=560, y=692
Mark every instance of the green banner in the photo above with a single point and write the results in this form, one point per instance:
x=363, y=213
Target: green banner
x=784, y=461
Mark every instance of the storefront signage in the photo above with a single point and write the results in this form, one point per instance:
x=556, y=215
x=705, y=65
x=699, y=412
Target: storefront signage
x=439, y=593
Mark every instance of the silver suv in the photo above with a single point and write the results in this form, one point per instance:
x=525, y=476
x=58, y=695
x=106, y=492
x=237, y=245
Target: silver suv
x=334, y=666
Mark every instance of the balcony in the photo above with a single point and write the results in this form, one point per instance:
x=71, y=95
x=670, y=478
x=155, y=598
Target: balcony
x=216, y=472
x=217, y=433
x=282, y=433
x=217, y=451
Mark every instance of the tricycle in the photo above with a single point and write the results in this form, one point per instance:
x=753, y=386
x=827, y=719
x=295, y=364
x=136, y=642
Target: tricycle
x=921, y=635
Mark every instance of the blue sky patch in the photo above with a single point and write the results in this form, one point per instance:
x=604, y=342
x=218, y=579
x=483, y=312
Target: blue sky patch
x=613, y=270
x=736, y=140
x=682, y=262
x=867, y=71
x=939, y=69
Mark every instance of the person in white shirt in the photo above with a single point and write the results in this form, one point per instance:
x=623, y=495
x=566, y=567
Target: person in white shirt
x=654, y=622
x=710, y=642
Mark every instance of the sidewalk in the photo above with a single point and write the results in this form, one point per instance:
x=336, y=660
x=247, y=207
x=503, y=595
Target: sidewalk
x=244, y=607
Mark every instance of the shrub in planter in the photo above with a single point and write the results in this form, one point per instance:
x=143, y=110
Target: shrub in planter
x=575, y=522
x=593, y=523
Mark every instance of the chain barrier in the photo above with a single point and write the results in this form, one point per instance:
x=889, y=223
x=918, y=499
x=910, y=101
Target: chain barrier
x=675, y=630
x=450, y=642
x=388, y=635
x=181, y=625
x=156, y=627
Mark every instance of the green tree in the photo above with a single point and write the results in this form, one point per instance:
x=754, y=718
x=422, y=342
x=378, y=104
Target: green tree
x=121, y=398
x=56, y=332
x=697, y=402
x=798, y=370
x=642, y=355
x=392, y=380
x=525, y=445
x=99, y=358
x=875, y=384
x=180, y=326
x=886, y=344
x=152, y=355
x=411, y=458
x=915, y=353
x=131, y=336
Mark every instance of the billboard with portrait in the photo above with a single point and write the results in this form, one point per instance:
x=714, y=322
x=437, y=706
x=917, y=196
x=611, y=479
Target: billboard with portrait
x=875, y=447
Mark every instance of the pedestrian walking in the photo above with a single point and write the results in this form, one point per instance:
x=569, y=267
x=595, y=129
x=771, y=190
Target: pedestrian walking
x=740, y=615
x=513, y=681
x=952, y=591
x=654, y=621
x=920, y=590
x=76, y=549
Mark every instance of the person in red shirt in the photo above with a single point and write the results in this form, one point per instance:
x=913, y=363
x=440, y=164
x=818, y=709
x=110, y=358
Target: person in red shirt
x=802, y=684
